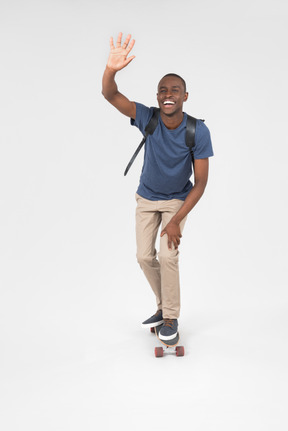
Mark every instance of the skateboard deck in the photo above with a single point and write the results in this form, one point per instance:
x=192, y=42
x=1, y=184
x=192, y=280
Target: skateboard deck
x=169, y=344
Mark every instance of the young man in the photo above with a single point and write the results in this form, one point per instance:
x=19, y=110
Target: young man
x=165, y=194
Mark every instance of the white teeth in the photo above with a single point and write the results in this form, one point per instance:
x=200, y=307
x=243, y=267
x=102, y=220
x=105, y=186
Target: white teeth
x=169, y=102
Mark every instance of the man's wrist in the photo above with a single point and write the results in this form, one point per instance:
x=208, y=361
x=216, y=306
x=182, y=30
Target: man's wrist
x=175, y=220
x=110, y=70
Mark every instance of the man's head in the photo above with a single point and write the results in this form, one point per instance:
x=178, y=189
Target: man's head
x=171, y=93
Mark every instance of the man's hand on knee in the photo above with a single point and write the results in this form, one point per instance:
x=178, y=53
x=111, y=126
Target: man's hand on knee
x=172, y=230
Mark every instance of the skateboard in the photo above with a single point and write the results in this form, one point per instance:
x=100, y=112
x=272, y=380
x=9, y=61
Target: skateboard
x=169, y=344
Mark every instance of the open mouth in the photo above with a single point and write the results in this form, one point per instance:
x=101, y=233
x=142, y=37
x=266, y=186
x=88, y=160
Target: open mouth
x=168, y=103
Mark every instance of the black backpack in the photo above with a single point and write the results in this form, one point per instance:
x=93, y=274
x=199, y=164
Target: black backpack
x=151, y=126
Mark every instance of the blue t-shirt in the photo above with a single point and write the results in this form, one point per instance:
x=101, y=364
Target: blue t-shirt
x=167, y=166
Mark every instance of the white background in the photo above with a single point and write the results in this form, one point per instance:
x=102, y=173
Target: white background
x=73, y=354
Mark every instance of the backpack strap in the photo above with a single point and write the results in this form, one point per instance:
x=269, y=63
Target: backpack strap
x=190, y=135
x=151, y=126
x=149, y=130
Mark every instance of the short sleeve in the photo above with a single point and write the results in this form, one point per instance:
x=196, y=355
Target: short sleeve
x=203, y=145
x=143, y=115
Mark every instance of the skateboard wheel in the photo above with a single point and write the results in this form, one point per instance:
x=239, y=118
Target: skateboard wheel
x=158, y=352
x=180, y=351
x=152, y=330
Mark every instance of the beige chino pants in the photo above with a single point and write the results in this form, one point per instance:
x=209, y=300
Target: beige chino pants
x=162, y=273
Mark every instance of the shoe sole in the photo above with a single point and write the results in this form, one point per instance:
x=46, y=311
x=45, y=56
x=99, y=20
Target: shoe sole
x=167, y=337
x=152, y=325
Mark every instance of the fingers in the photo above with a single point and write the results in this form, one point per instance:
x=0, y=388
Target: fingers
x=129, y=59
x=175, y=240
x=130, y=46
x=118, y=43
x=125, y=44
x=111, y=43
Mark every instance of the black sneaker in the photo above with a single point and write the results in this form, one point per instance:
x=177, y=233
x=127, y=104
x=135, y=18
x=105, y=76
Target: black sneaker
x=155, y=320
x=169, y=329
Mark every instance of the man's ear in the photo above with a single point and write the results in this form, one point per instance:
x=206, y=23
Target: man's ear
x=186, y=96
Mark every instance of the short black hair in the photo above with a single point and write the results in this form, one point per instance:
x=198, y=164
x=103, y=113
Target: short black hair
x=176, y=76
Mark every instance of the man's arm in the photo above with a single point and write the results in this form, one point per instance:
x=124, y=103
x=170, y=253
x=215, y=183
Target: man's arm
x=172, y=229
x=118, y=60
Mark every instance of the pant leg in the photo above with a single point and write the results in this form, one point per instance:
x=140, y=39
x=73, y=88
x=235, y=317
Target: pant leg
x=148, y=220
x=169, y=264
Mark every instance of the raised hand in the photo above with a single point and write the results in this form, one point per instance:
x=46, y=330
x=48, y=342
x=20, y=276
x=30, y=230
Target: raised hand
x=118, y=56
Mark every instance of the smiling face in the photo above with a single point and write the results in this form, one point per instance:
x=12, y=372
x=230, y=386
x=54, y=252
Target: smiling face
x=171, y=95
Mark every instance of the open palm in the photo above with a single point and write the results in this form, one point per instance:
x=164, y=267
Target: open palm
x=118, y=56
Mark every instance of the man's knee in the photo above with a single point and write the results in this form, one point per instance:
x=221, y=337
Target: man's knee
x=145, y=259
x=169, y=257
